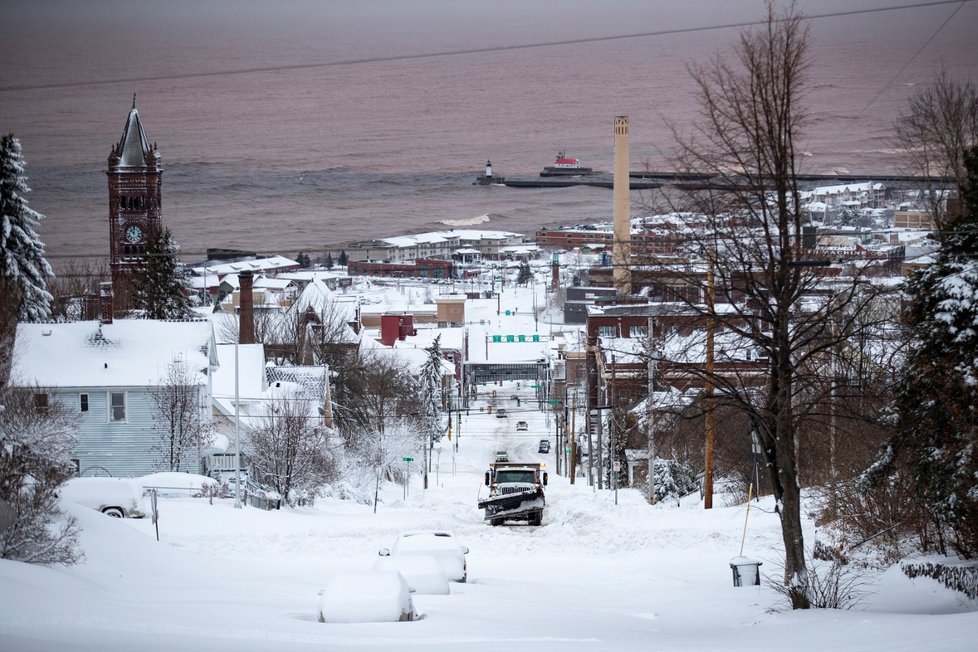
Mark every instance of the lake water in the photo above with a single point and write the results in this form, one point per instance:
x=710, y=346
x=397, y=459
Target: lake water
x=316, y=123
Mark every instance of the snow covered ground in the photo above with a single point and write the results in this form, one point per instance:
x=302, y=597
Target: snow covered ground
x=595, y=576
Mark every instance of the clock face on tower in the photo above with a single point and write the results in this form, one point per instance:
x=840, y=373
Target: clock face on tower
x=134, y=233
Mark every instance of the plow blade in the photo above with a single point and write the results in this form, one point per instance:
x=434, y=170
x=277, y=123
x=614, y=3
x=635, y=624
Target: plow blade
x=512, y=504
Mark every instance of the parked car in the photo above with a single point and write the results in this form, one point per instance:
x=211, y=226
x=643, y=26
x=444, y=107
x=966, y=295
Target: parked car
x=423, y=573
x=501, y=413
x=544, y=446
x=502, y=456
x=522, y=426
x=376, y=596
x=439, y=544
x=115, y=497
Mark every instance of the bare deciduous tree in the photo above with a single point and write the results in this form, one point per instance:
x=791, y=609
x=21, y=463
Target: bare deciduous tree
x=370, y=390
x=36, y=440
x=74, y=284
x=383, y=449
x=938, y=126
x=289, y=449
x=179, y=419
x=759, y=289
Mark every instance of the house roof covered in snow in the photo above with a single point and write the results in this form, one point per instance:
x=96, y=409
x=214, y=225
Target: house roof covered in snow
x=236, y=266
x=125, y=353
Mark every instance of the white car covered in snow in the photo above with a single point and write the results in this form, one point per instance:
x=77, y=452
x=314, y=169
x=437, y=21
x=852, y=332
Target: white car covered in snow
x=377, y=596
x=423, y=573
x=116, y=497
x=439, y=544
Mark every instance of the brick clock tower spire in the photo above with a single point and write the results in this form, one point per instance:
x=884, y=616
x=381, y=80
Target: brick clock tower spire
x=135, y=175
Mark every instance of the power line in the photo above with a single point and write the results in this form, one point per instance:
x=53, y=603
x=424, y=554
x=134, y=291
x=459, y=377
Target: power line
x=468, y=51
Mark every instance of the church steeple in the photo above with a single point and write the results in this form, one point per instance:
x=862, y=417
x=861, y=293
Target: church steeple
x=133, y=149
x=135, y=174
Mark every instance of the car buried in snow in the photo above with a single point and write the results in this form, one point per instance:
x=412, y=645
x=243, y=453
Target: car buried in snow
x=367, y=597
x=440, y=544
x=115, y=497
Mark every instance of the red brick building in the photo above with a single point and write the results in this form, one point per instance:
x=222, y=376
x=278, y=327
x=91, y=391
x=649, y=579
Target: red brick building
x=135, y=174
x=419, y=268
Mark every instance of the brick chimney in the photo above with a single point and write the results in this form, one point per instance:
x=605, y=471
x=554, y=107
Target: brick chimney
x=106, y=312
x=246, y=309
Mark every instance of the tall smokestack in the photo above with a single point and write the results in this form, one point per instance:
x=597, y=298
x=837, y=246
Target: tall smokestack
x=106, y=307
x=246, y=309
x=621, y=254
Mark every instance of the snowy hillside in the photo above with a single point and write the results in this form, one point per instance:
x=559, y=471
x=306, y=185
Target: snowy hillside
x=595, y=576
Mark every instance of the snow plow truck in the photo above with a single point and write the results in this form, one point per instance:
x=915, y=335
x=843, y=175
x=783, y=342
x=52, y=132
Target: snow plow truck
x=515, y=492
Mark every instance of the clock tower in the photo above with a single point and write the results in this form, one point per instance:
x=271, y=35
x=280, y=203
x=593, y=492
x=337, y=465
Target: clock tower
x=135, y=175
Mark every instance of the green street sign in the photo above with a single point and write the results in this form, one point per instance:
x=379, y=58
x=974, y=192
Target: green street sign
x=534, y=387
x=408, y=459
x=497, y=338
x=510, y=338
x=554, y=401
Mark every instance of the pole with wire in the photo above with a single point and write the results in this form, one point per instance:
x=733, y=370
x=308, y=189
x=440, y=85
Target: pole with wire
x=237, y=431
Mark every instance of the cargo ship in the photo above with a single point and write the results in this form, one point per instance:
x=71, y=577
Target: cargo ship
x=565, y=167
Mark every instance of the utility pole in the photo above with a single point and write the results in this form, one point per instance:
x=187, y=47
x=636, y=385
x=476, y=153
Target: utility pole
x=237, y=425
x=615, y=462
x=602, y=399
x=650, y=414
x=573, y=441
x=710, y=434
x=600, y=461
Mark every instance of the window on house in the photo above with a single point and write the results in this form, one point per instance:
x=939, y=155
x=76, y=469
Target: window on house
x=41, y=401
x=607, y=331
x=117, y=406
x=83, y=402
x=638, y=331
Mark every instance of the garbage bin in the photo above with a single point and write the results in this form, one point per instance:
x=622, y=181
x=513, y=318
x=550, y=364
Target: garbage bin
x=746, y=571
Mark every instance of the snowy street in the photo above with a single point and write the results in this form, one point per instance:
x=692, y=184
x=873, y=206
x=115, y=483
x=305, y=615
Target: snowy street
x=595, y=576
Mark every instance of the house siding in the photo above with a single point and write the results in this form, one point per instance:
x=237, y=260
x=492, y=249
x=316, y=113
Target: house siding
x=121, y=449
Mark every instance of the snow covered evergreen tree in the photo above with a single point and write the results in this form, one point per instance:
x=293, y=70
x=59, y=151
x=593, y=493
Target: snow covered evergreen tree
x=159, y=290
x=937, y=434
x=24, y=268
x=430, y=400
x=429, y=389
x=671, y=479
x=525, y=274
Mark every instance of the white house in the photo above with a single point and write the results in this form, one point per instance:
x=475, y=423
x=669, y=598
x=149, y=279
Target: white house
x=107, y=373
